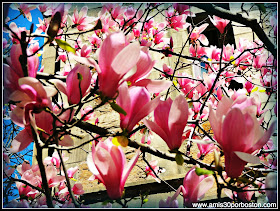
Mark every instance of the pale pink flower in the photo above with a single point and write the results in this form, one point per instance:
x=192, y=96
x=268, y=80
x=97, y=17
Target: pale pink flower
x=194, y=187
x=84, y=51
x=71, y=171
x=62, y=56
x=94, y=40
x=219, y=23
x=24, y=9
x=176, y=21
x=81, y=20
x=197, y=51
x=108, y=164
x=196, y=34
x=13, y=70
x=168, y=70
x=156, y=169
x=225, y=123
x=204, y=149
x=86, y=110
x=170, y=119
x=136, y=101
x=213, y=53
x=245, y=196
x=228, y=52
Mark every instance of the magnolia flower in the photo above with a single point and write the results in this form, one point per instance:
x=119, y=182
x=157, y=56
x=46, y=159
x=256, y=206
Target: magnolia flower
x=155, y=168
x=108, y=164
x=244, y=196
x=237, y=131
x=204, y=149
x=196, y=34
x=81, y=20
x=194, y=187
x=32, y=97
x=89, y=116
x=196, y=50
x=219, y=23
x=115, y=60
x=170, y=120
x=136, y=101
x=24, y=9
x=13, y=70
x=77, y=83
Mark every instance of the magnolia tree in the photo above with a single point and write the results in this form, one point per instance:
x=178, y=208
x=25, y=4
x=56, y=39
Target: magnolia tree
x=113, y=67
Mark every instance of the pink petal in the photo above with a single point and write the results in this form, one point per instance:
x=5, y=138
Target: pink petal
x=21, y=141
x=126, y=58
x=155, y=128
x=129, y=166
x=153, y=86
x=144, y=111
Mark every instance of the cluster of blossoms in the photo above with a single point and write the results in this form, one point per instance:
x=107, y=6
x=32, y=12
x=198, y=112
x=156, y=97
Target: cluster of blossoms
x=55, y=179
x=116, y=68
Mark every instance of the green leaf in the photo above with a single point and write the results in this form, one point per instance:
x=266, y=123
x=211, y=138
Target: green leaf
x=145, y=201
x=179, y=159
x=200, y=171
x=117, y=108
x=65, y=46
x=261, y=7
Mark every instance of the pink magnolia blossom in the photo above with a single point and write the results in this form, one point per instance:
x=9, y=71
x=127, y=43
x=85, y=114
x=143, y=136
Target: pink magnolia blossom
x=194, y=187
x=24, y=9
x=136, y=101
x=62, y=56
x=196, y=34
x=197, y=50
x=81, y=20
x=77, y=83
x=228, y=52
x=34, y=179
x=86, y=110
x=170, y=120
x=213, y=53
x=168, y=70
x=32, y=97
x=71, y=171
x=155, y=168
x=226, y=121
x=204, y=149
x=183, y=9
x=249, y=86
x=84, y=51
x=108, y=164
x=176, y=21
x=13, y=70
x=170, y=202
x=259, y=61
x=245, y=196
x=115, y=60
x=94, y=40
x=54, y=160
x=219, y=23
